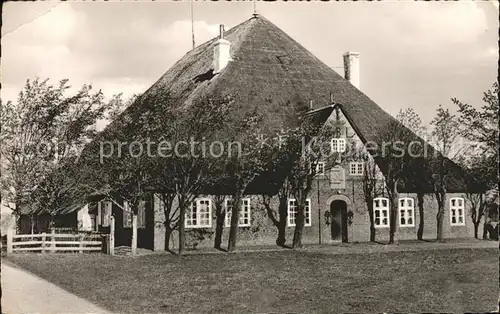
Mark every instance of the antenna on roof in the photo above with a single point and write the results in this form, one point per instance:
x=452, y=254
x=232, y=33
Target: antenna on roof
x=192, y=23
x=310, y=104
x=254, y=8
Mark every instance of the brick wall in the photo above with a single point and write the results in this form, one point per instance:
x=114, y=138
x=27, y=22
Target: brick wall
x=263, y=232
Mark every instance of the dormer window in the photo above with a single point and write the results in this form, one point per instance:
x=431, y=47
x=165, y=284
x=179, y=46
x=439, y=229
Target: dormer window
x=338, y=145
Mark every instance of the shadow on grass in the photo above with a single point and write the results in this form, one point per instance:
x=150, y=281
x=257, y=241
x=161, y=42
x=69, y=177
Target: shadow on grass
x=427, y=241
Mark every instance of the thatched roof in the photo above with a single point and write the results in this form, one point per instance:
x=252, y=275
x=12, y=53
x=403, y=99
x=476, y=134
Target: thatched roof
x=268, y=73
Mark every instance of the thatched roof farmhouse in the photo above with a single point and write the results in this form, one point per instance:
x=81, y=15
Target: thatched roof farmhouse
x=265, y=71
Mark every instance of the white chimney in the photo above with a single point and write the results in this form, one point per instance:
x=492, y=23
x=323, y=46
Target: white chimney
x=351, y=67
x=221, y=52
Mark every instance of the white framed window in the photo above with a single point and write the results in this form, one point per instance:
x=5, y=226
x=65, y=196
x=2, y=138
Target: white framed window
x=292, y=212
x=457, y=211
x=94, y=222
x=141, y=215
x=320, y=168
x=406, y=208
x=199, y=214
x=244, y=220
x=127, y=215
x=338, y=145
x=356, y=168
x=104, y=210
x=99, y=215
x=381, y=212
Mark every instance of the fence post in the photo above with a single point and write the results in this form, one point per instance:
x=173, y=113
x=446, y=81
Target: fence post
x=82, y=237
x=133, y=248
x=112, y=235
x=53, y=240
x=43, y=242
x=9, y=240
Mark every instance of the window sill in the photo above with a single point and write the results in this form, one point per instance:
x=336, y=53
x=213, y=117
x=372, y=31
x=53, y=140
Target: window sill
x=239, y=226
x=407, y=226
x=198, y=227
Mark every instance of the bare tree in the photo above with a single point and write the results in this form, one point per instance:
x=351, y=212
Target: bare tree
x=370, y=192
x=410, y=119
x=190, y=170
x=306, y=144
x=477, y=209
x=445, y=132
x=279, y=219
x=244, y=168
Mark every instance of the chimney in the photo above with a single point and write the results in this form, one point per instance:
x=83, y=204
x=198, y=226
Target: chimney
x=351, y=67
x=221, y=52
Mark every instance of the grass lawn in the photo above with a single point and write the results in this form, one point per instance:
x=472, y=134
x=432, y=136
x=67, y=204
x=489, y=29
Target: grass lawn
x=451, y=280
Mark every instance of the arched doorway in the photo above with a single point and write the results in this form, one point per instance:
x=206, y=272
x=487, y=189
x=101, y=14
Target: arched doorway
x=338, y=223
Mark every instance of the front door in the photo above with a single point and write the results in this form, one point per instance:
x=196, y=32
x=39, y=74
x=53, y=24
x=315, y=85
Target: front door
x=338, y=223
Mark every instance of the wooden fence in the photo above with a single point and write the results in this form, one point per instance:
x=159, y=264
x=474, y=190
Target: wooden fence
x=54, y=242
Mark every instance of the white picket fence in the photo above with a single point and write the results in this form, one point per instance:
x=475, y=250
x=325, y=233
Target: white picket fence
x=53, y=242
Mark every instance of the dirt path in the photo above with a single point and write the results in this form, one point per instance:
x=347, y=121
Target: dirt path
x=23, y=292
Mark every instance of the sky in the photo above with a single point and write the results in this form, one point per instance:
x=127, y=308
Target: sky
x=412, y=54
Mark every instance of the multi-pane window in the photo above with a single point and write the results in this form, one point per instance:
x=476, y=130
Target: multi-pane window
x=127, y=215
x=141, y=215
x=292, y=212
x=406, y=212
x=381, y=212
x=338, y=145
x=94, y=222
x=104, y=210
x=320, y=168
x=244, y=220
x=199, y=214
x=457, y=209
x=356, y=168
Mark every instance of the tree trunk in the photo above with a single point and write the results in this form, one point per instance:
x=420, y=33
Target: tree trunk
x=299, y=226
x=219, y=228
x=133, y=246
x=168, y=234
x=420, y=231
x=393, y=217
x=283, y=214
x=439, y=223
x=235, y=216
x=476, y=229
x=372, y=224
x=182, y=229
x=485, y=231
